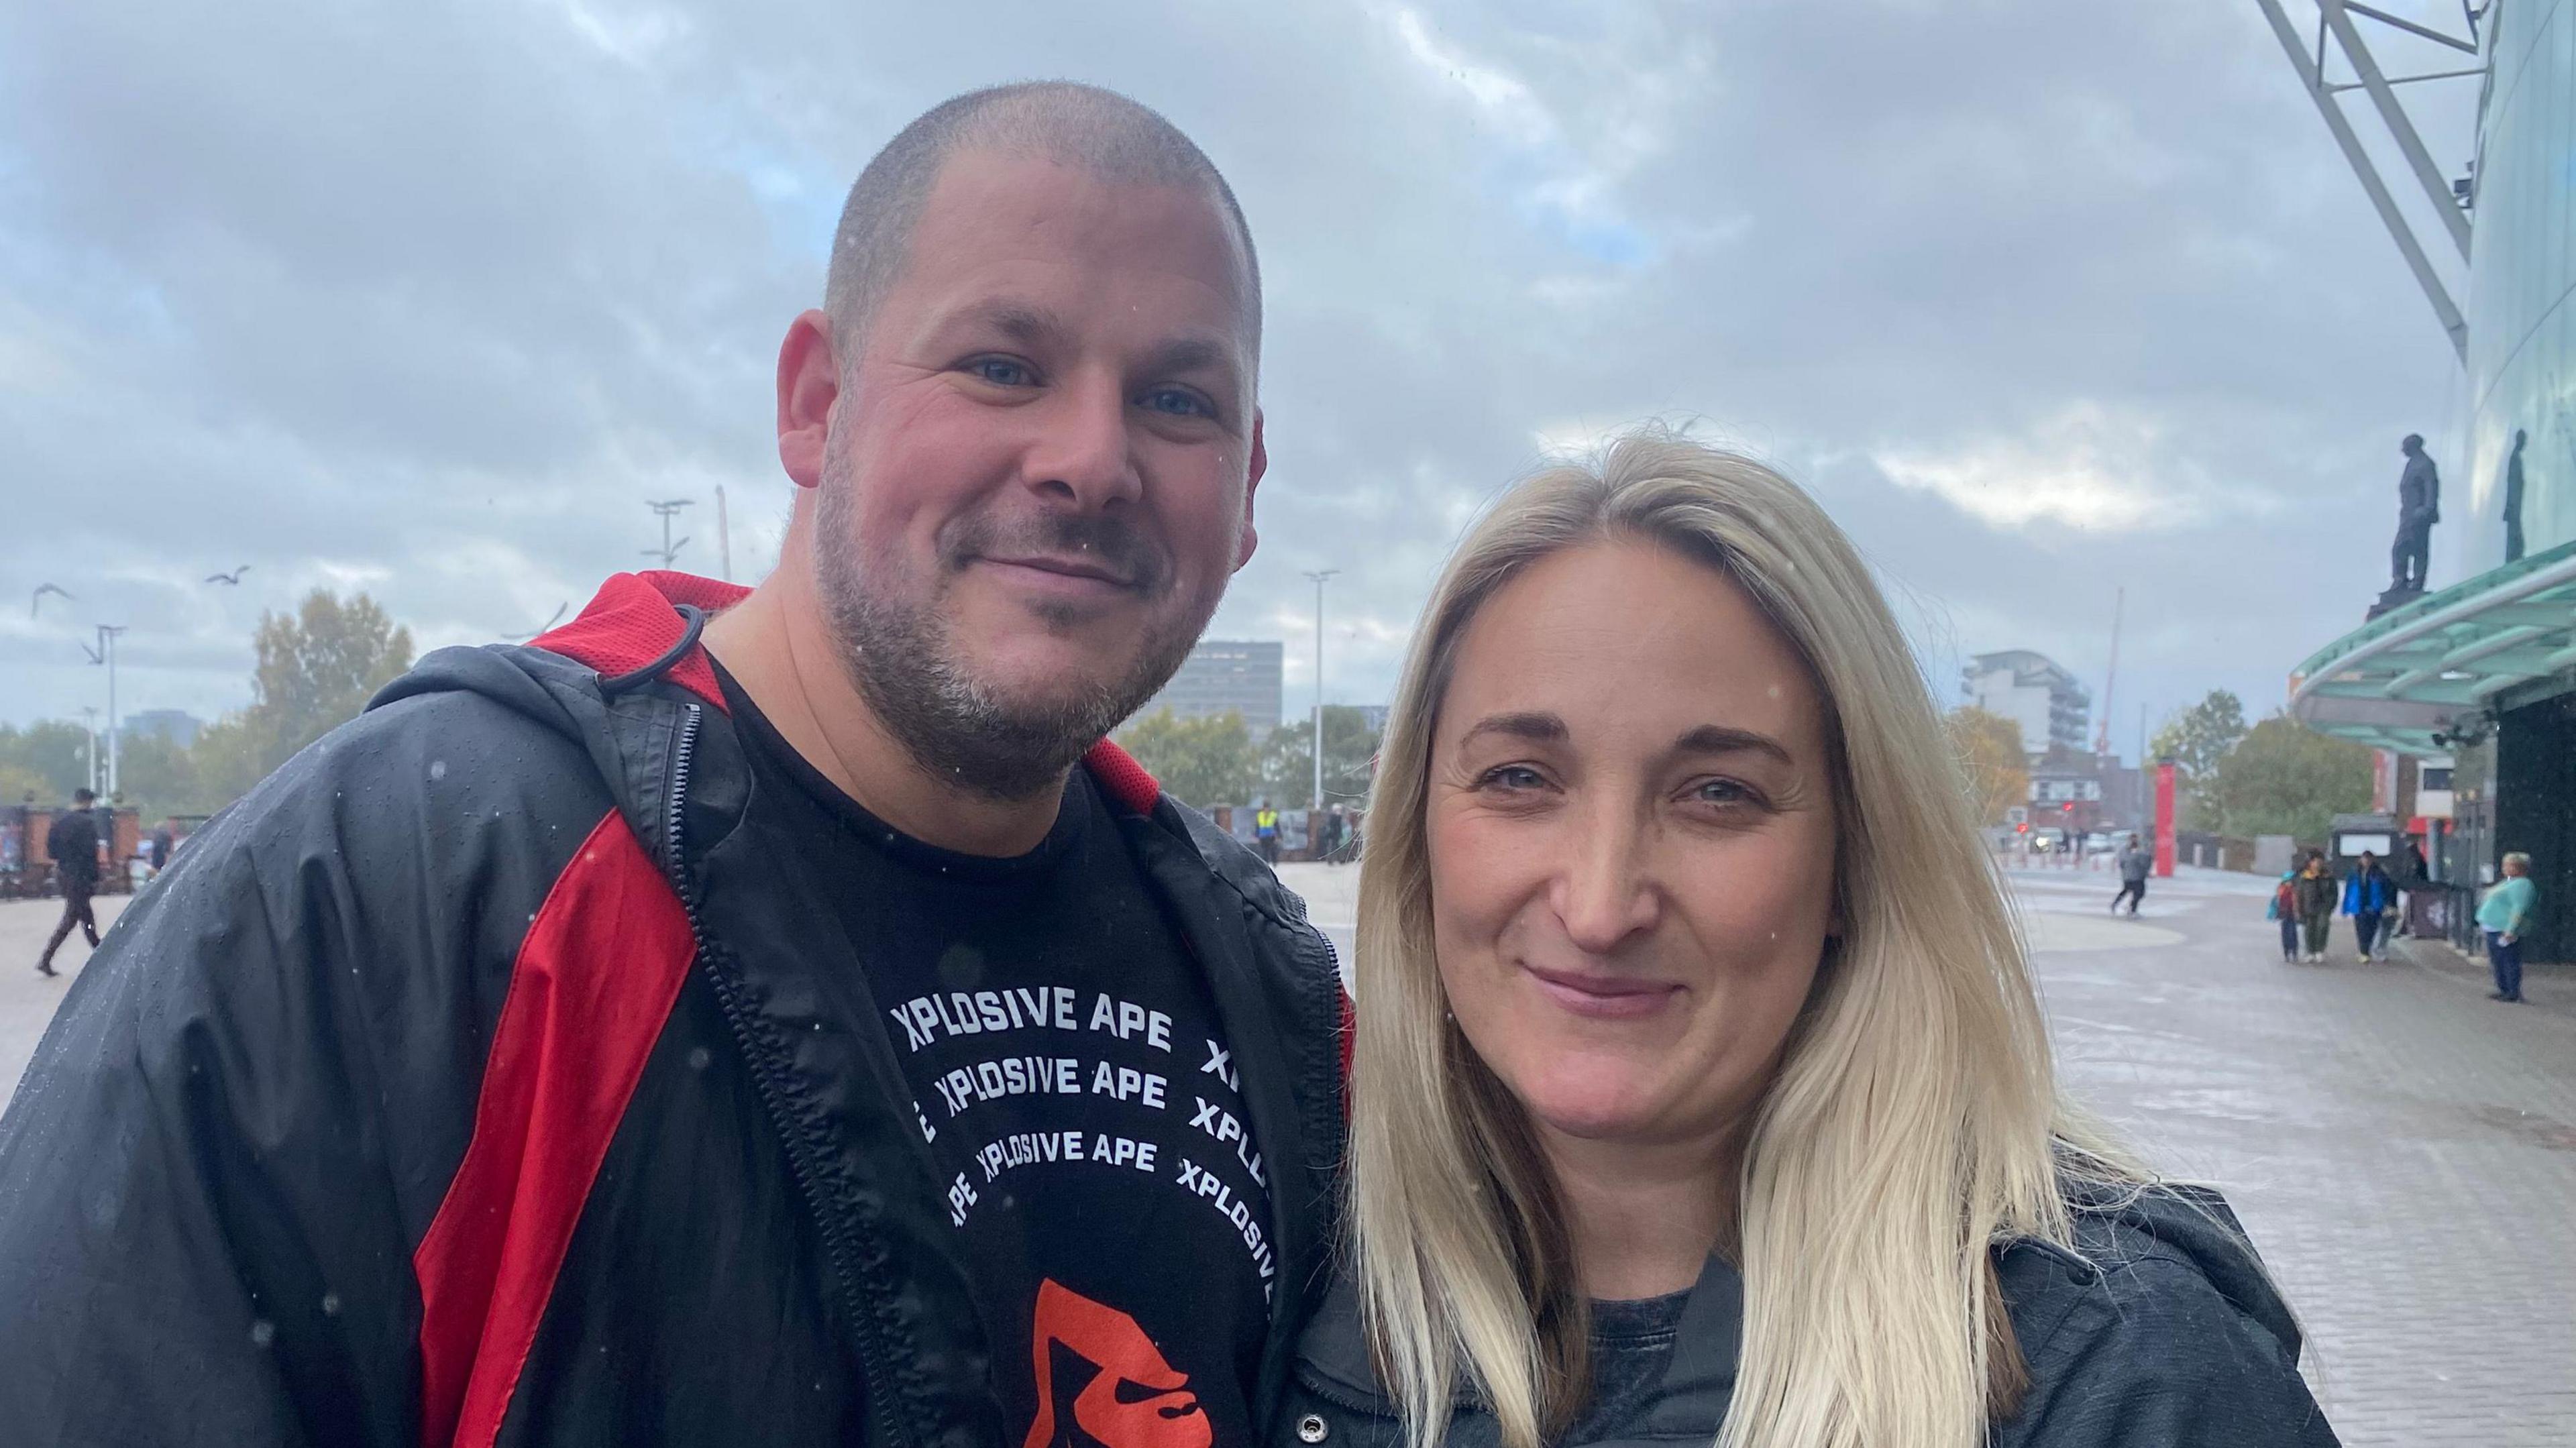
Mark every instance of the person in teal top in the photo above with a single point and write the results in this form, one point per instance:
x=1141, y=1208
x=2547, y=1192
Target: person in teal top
x=2502, y=915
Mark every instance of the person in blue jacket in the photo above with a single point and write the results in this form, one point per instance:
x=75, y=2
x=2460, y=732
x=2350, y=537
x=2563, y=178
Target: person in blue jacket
x=2368, y=895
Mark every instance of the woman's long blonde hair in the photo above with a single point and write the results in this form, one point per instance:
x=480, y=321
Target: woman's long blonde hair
x=1915, y=1119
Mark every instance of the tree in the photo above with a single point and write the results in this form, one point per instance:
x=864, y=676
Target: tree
x=157, y=777
x=1350, y=757
x=1203, y=762
x=1988, y=748
x=19, y=784
x=317, y=667
x=2288, y=779
x=2196, y=740
x=52, y=753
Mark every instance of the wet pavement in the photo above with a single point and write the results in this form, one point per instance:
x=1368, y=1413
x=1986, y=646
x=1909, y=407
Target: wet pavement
x=27, y=1000
x=2403, y=1151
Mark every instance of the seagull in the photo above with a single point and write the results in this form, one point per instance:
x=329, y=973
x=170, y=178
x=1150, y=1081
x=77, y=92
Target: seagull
x=41, y=590
x=233, y=578
x=541, y=628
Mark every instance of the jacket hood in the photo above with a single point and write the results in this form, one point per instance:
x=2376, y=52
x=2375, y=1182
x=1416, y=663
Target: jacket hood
x=2195, y=1225
x=640, y=628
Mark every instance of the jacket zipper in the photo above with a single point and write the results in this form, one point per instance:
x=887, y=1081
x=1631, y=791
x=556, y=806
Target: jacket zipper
x=837, y=1247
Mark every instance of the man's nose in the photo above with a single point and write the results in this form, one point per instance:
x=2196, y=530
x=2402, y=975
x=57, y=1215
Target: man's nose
x=1082, y=454
x=1606, y=891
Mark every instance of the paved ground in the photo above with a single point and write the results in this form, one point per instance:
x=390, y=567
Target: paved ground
x=2402, y=1149
x=27, y=1000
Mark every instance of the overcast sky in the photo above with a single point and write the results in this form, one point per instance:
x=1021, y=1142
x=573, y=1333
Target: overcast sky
x=2043, y=299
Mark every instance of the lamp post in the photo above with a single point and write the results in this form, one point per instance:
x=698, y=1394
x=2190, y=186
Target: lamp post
x=667, y=509
x=107, y=633
x=1316, y=801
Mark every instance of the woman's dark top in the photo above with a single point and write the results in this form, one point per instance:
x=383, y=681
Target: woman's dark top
x=2159, y=1331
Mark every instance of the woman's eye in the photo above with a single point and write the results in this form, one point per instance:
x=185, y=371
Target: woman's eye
x=1178, y=402
x=1722, y=792
x=1000, y=371
x=1511, y=777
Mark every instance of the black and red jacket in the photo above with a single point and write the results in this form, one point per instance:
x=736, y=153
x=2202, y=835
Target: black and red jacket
x=487, y=1077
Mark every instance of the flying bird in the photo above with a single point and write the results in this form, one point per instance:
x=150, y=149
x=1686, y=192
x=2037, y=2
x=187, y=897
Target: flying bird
x=233, y=578
x=41, y=590
x=560, y=609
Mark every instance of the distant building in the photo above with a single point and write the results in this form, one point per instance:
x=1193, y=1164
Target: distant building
x=1221, y=676
x=176, y=725
x=1374, y=716
x=2034, y=692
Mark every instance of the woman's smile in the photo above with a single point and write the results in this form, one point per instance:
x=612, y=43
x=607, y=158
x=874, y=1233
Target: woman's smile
x=1602, y=995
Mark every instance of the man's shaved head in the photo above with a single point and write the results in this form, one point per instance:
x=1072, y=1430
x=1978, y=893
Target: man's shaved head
x=1079, y=126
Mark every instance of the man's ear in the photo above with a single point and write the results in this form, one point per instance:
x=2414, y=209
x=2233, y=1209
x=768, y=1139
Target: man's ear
x=809, y=382
x=1251, y=538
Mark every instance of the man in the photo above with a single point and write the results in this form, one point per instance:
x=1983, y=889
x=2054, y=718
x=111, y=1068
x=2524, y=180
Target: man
x=1265, y=832
x=71, y=842
x=2135, y=865
x=2513, y=498
x=755, y=1019
x=2419, y=507
x=2368, y=895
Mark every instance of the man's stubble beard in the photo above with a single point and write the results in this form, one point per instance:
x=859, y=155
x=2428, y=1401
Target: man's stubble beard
x=956, y=728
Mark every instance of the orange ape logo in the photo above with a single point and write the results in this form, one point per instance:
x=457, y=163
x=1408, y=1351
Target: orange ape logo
x=1134, y=1398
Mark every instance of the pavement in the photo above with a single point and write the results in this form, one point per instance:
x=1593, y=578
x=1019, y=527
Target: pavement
x=2402, y=1150
x=27, y=1000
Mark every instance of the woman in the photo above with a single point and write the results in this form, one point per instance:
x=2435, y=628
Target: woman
x=1700, y=1089
x=2502, y=914
x=2316, y=891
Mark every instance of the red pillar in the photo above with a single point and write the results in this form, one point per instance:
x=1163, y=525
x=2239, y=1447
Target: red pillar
x=2164, y=819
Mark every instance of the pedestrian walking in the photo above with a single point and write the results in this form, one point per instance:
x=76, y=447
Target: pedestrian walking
x=2285, y=909
x=72, y=843
x=1265, y=833
x=2315, y=893
x=2136, y=861
x=2368, y=896
x=2502, y=914
x=2412, y=875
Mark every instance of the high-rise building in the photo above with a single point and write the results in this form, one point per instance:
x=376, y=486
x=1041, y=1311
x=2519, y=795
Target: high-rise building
x=2048, y=703
x=1226, y=675
x=176, y=725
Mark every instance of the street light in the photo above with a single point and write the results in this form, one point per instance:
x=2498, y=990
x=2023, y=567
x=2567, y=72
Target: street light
x=667, y=509
x=105, y=653
x=1316, y=802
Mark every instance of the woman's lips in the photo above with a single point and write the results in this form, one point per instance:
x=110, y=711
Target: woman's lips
x=1603, y=997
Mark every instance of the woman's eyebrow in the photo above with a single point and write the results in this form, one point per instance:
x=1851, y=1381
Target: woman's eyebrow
x=1536, y=726
x=1721, y=739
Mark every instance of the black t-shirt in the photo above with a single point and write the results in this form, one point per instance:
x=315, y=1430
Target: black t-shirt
x=1070, y=1079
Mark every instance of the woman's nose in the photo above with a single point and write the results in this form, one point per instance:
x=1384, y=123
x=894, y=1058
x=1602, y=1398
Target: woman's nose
x=1606, y=891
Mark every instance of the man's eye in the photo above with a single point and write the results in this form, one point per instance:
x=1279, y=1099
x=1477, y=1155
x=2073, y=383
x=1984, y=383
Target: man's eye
x=1001, y=371
x=1178, y=402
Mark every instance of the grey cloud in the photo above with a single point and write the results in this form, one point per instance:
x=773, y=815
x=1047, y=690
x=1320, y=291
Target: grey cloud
x=440, y=295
